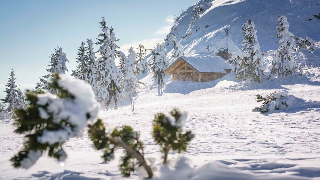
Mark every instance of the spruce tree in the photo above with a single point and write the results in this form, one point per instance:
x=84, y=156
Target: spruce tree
x=305, y=44
x=106, y=70
x=248, y=64
x=167, y=132
x=91, y=72
x=81, y=71
x=283, y=62
x=57, y=64
x=14, y=98
x=158, y=65
x=51, y=120
x=177, y=47
x=129, y=78
x=140, y=67
x=103, y=63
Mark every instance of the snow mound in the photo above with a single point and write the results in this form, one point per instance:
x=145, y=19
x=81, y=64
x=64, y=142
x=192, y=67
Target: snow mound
x=214, y=170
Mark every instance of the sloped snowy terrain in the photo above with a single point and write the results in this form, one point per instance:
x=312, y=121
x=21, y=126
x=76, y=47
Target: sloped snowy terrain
x=231, y=141
x=228, y=134
x=208, y=29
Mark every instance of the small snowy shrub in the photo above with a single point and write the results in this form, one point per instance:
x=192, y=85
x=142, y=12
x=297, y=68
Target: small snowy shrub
x=50, y=120
x=124, y=138
x=272, y=102
x=168, y=133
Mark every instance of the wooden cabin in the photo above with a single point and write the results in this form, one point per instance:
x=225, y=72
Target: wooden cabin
x=226, y=47
x=200, y=69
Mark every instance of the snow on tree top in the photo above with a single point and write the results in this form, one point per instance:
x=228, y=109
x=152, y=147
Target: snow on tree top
x=205, y=63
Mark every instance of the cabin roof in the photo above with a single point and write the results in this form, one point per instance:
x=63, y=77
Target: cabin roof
x=201, y=64
x=227, y=45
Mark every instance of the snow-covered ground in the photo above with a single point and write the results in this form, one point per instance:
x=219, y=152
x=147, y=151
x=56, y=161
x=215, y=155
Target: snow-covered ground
x=228, y=133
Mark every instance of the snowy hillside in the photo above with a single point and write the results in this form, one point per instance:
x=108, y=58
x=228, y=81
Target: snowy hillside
x=233, y=141
x=197, y=31
x=238, y=143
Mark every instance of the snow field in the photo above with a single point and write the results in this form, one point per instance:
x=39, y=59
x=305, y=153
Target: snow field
x=226, y=129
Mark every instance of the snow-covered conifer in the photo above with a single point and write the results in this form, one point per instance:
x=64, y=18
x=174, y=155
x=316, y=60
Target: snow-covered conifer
x=177, y=47
x=113, y=46
x=168, y=133
x=129, y=78
x=57, y=64
x=305, y=43
x=14, y=97
x=122, y=58
x=90, y=77
x=106, y=68
x=51, y=120
x=283, y=62
x=140, y=67
x=159, y=64
x=63, y=60
x=248, y=64
x=274, y=101
x=81, y=71
x=197, y=10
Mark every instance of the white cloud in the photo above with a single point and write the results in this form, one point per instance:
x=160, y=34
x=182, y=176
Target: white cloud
x=170, y=19
x=163, y=30
x=166, y=29
x=147, y=43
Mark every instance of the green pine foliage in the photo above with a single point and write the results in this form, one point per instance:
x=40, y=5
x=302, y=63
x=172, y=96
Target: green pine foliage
x=40, y=119
x=169, y=135
x=109, y=142
x=29, y=123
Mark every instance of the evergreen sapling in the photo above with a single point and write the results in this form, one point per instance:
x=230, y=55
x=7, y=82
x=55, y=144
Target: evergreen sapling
x=14, y=98
x=248, y=65
x=168, y=133
x=81, y=71
x=283, y=63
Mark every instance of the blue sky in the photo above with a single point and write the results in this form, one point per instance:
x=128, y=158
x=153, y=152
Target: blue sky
x=31, y=29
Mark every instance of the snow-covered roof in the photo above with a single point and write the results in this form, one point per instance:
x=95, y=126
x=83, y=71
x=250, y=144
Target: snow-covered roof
x=227, y=44
x=205, y=64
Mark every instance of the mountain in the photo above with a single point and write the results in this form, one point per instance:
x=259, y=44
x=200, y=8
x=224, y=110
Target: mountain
x=202, y=26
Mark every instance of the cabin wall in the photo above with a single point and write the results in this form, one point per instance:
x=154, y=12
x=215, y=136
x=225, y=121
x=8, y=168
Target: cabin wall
x=199, y=77
x=205, y=77
x=186, y=76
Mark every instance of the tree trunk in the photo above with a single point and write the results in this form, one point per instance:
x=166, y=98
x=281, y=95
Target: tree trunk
x=136, y=154
x=166, y=152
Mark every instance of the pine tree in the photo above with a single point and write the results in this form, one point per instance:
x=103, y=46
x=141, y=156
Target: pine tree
x=167, y=132
x=51, y=120
x=305, y=44
x=81, y=71
x=140, y=67
x=159, y=64
x=14, y=97
x=91, y=72
x=57, y=64
x=123, y=58
x=248, y=65
x=177, y=47
x=106, y=70
x=283, y=62
x=129, y=78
